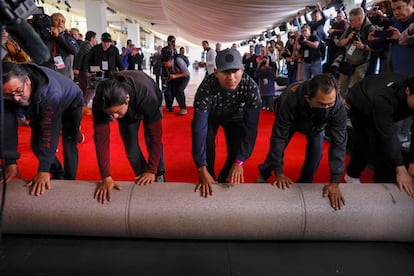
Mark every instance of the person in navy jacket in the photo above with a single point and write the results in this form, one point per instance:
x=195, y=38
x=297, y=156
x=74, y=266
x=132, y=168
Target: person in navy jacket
x=53, y=103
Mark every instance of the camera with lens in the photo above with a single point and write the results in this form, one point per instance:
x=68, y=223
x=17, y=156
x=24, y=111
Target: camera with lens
x=301, y=38
x=263, y=61
x=356, y=37
x=380, y=20
x=42, y=23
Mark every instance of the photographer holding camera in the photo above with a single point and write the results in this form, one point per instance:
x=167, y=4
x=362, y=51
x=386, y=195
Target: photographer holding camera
x=309, y=49
x=62, y=46
x=266, y=77
x=357, y=51
x=402, y=56
x=401, y=51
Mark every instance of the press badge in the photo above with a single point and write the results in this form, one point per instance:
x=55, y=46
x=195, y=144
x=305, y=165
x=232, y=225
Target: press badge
x=265, y=81
x=59, y=64
x=105, y=65
x=306, y=53
x=136, y=66
x=351, y=50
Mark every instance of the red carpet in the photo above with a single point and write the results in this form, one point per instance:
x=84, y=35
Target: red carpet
x=178, y=160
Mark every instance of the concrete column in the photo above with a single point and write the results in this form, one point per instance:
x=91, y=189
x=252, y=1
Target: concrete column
x=134, y=34
x=95, y=11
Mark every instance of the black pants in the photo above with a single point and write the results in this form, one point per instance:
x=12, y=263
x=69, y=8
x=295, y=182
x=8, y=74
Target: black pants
x=234, y=134
x=71, y=119
x=365, y=148
x=69, y=126
x=178, y=86
x=129, y=134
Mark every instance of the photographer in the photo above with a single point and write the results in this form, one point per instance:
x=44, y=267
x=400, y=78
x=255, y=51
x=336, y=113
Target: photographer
x=317, y=24
x=402, y=56
x=62, y=46
x=337, y=29
x=355, y=41
x=266, y=78
x=380, y=15
x=309, y=49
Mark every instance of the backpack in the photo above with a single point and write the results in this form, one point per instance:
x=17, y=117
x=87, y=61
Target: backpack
x=183, y=57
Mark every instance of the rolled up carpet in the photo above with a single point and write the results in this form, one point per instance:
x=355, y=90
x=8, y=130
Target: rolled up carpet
x=373, y=212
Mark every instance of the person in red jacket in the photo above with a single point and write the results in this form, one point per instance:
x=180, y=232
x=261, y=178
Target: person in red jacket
x=129, y=97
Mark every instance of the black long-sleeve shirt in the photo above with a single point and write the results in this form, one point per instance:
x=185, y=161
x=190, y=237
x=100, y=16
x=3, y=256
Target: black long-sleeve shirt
x=212, y=100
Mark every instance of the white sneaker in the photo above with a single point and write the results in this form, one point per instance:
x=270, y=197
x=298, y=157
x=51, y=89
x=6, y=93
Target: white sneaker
x=352, y=180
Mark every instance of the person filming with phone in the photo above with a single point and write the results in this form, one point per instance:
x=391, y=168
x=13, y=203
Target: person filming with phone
x=398, y=34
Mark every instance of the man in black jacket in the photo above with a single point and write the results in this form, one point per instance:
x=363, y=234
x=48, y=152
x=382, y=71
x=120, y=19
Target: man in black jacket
x=309, y=107
x=105, y=56
x=375, y=105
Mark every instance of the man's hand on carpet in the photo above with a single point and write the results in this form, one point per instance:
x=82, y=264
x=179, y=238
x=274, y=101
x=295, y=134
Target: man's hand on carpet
x=205, y=181
x=282, y=181
x=236, y=174
x=145, y=178
x=39, y=183
x=332, y=191
x=104, y=191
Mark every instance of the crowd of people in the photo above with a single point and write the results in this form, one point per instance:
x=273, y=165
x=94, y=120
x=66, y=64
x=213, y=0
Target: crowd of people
x=360, y=70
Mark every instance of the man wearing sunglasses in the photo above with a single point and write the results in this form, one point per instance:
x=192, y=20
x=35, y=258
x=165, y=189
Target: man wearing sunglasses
x=53, y=104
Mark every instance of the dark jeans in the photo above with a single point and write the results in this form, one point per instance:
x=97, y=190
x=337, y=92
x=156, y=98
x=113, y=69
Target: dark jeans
x=168, y=93
x=313, y=157
x=129, y=134
x=71, y=119
x=178, y=87
x=234, y=133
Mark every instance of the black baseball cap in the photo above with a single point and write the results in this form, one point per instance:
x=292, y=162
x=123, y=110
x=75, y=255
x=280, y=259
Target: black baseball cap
x=106, y=37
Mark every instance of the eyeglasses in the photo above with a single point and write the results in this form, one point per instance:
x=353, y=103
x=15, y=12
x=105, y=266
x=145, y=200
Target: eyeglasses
x=16, y=93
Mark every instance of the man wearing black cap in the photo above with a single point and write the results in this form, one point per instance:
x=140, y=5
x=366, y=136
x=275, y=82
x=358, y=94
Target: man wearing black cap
x=231, y=99
x=106, y=56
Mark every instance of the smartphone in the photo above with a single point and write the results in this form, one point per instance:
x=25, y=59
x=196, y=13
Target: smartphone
x=383, y=34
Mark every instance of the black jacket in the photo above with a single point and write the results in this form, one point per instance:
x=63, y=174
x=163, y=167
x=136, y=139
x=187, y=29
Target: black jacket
x=294, y=114
x=97, y=55
x=381, y=102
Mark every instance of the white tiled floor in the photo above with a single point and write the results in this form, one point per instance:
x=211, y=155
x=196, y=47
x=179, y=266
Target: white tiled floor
x=195, y=79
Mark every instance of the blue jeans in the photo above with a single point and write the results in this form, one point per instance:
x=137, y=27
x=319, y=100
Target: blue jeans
x=312, y=69
x=310, y=165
